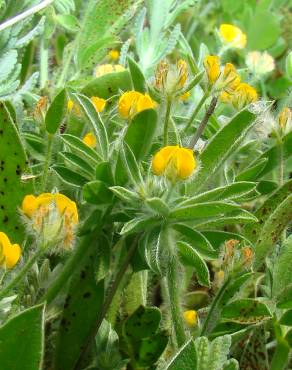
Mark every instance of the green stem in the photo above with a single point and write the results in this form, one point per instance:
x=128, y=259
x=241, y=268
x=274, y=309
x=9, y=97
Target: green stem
x=47, y=162
x=204, y=122
x=107, y=302
x=44, y=63
x=65, y=68
x=17, y=279
x=205, y=328
x=172, y=281
x=197, y=109
x=166, y=122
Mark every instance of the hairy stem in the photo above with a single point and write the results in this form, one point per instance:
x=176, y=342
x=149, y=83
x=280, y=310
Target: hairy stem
x=47, y=162
x=197, y=110
x=204, y=122
x=44, y=63
x=166, y=122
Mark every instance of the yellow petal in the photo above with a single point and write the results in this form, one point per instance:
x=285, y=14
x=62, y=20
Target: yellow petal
x=185, y=162
x=29, y=205
x=232, y=35
x=13, y=254
x=161, y=159
x=144, y=102
x=114, y=54
x=127, y=103
x=98, y=103
x=90, y=140
x=66, y=205
x=191, y=317
x=212, y=67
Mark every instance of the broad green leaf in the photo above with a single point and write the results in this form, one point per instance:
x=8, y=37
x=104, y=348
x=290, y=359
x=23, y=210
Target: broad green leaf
x=202, y=210
x=68, y=21
x=56, y=112
x=125, y=194
x=108, y=85
x=190, y=257
x=252, y=172
x=78, y=145
x=231, y=191
x=140, y=133
x=97, y=192
x=280, y=359
x=69, y=176
x=23, y=334
x=220, y=147
x=286, y=319
x=246, y=310
x=13, y=164
x=234, y=287
x=81, y=309
x=158, y=206
x=185, y=358
x=138, y=79
x=234, y=218
x=77, y=163
x=96, y=123
x=196, y=240
x=284, y=297
x=282, y=271
x=139, y=224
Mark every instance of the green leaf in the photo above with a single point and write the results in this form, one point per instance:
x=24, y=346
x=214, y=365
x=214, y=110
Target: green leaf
x=190, y=257
x=108, y=85
x=264, y=30
x=68, y=21
x=96, y=123
x=202, y=210
x=286, y=319
x=130, y=163
x=77, y=145
x=69, y=176
x=246, y=310
x=140, y=133
x=220, y=147
x=13, y=164
x=196, y=240
x=138, y=224
x=234, y=287
x=77, y=163
x=81, y=309
x=185, y=358
x=158, y=206
x=28, y=343
x=252, y=172
x=126, y=195
x=284, y=297
x=282, y=270
x=217, y=237
x=56, y=112
x=97, y=192
x=138, y=79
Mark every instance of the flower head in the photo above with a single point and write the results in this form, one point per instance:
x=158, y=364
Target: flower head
x=114, y=54
x=73, y=108
x=185, y=96
x=230, y=78
x=174, y=162
x=212, y=67
x=108, y=68
x=90, y=140
x=260, y=63
x=9, y=253
x=285, y=119
x=191, y=317
x=241, y=96
x=232, y=36
x=98, y=103
x=170, y=78
x=52, y=217
x=133, y=102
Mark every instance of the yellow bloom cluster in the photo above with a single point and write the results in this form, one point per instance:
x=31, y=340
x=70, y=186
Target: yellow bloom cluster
x=174, y=162
x=241, y=96
x=9, y=253
x=133, y=102
x=171, y=78
x=53, y=217
x=232, y=36
x=90, y=140
x=98, y=103
x=191, y=317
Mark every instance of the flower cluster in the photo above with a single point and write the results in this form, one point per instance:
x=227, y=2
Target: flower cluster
x=232, y=36
x=9, y=253
x=52, y=217
x=133, y=102
x=170, y=78
x=174, y=162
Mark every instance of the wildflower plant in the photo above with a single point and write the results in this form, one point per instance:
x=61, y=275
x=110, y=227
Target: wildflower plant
x=145, y=191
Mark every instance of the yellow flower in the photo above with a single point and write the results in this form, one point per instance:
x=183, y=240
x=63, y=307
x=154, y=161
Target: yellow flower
x=285, y=117
x=90, y=140
x=174, y=162
x=169, y=78
x=231, y=78
x=98, y=103
x=73, y=108
x=108, y=68
x=185, y=96
x=191, y=317
x=114, y=54
x=212, y=67
x=133, y=102
x=232, y=36
x=243, y=95
x=53, y=217
x=9, y=253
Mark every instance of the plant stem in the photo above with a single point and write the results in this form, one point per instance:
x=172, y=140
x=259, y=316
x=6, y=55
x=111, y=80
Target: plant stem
x=47, y=162
x=214, y=304
x=27, y=13
x=107, y=302
x=204, y=122
x=197, y=109
x=174, y=300
x=166, y=122
x=65, y=68
x=21, y=273
x=44, y=63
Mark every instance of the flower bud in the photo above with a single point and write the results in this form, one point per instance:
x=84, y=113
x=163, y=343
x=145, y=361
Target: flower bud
x=9, y=253
x=98, y=103
x=212, y=67
x=133, y=102
x=232, y=36
x=114, y=54
x=174, y=162
x=285, y=119
x=243, y=95
x=53, y=219
x=191, y=317
x=90, y=140
x=170, y=78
